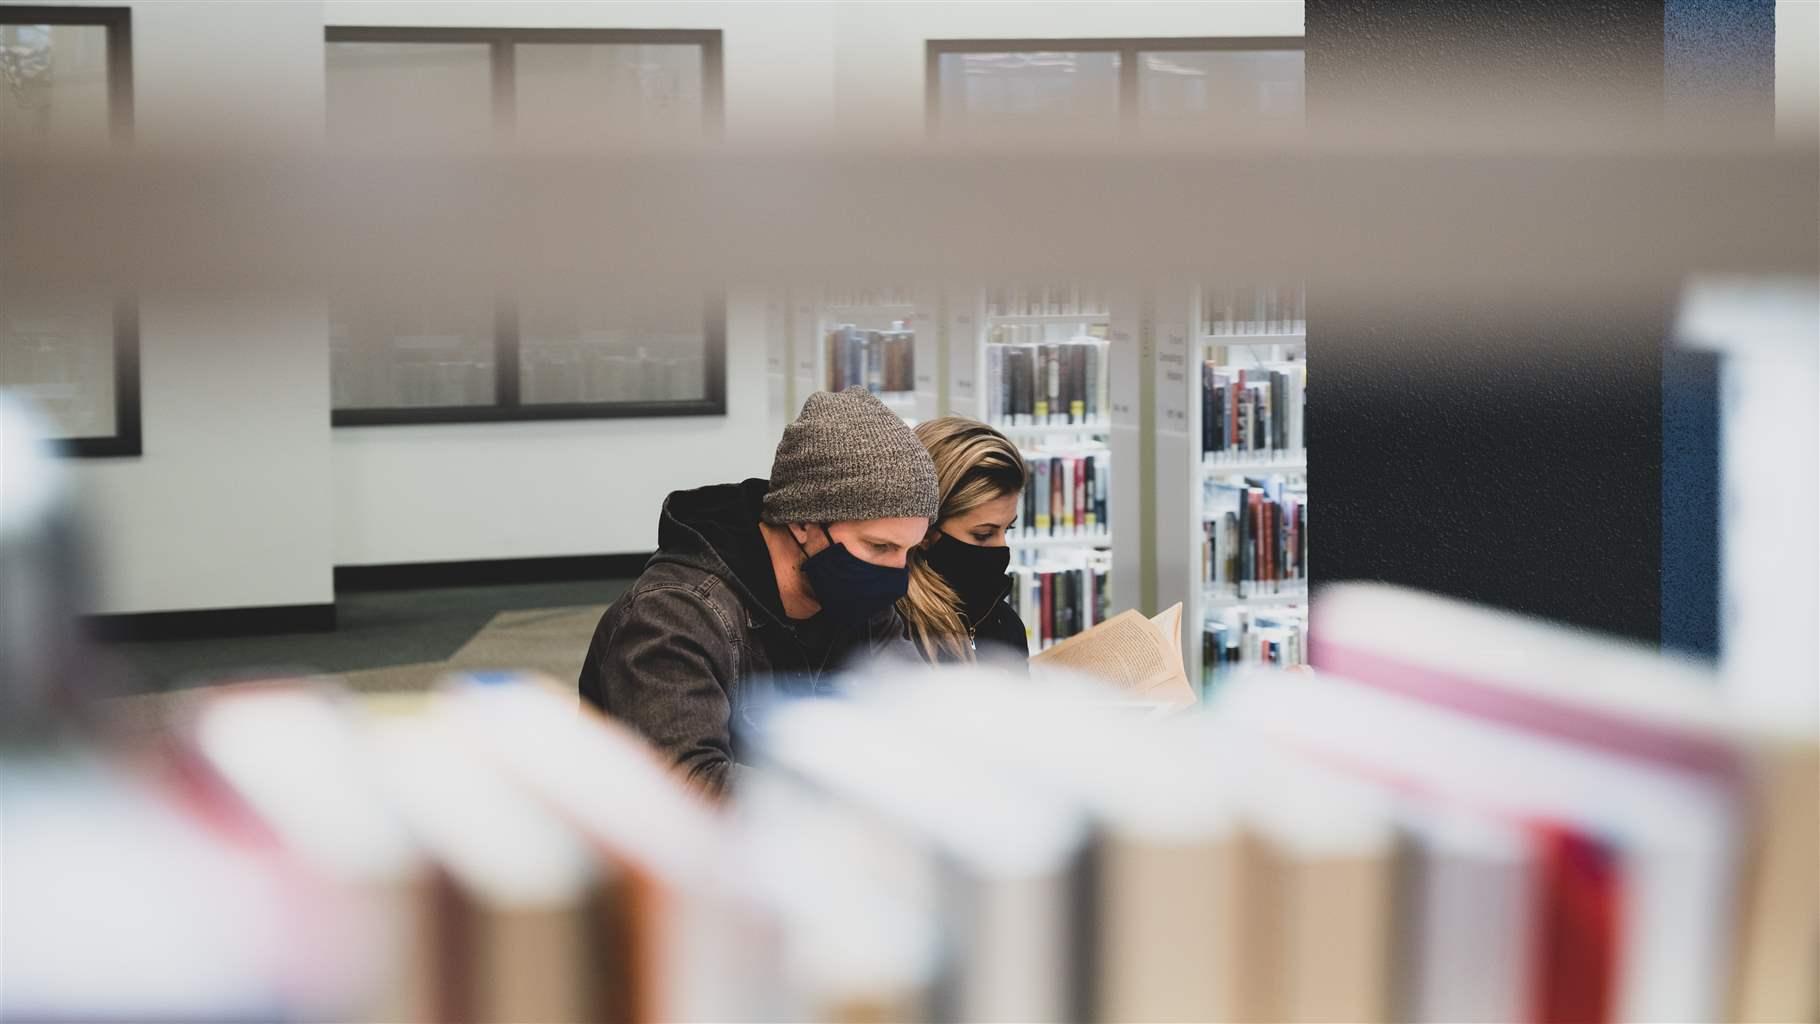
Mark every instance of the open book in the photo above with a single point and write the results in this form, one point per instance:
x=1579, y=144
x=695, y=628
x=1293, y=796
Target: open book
x=1139, y=656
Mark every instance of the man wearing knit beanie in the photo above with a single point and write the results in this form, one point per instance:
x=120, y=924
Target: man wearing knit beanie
x=767, y=587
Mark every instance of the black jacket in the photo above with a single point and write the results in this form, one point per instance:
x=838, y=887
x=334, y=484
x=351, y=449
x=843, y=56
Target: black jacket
x=998, y=637
x=692, y=652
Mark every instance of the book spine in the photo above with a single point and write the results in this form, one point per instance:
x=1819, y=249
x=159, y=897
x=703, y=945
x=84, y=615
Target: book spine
x=1041, y=481
x=1078, y=384
x=1104, y=356
x=1052, y=360
x=1067, y=494
x=1083, y=520
x=1039, y=408
x=1047, y=615
x=1026, y=384
x=1026, y=522
x=1055, y=495
x=1207, y=413
x=1102, y=478
x=875, y=363
x=1089, y=493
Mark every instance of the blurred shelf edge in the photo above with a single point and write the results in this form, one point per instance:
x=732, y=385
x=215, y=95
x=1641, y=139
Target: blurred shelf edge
x=1096, y=539
x=1049, y=318
x=1297, y=338
x=1298, y=464
x=1052, y=429
x=1296, y=597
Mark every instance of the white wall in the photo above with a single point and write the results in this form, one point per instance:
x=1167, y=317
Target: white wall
x=850, y=72
x=230, y=504
x=521, y=490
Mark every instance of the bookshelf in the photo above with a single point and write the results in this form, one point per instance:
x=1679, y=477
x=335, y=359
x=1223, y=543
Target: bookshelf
x=885, y=339
x=1254, y=356
x=981, y=325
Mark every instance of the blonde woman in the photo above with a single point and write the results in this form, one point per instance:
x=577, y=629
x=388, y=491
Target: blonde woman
x=955, y=607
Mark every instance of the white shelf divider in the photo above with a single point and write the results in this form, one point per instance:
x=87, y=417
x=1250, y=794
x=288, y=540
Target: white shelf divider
x=1257, y=467
x=1250, y=601
x=1050, y=318
x=1098, y=539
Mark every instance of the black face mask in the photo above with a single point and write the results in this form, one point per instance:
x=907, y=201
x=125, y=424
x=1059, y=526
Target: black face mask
x=850, y=589
x=976, y=572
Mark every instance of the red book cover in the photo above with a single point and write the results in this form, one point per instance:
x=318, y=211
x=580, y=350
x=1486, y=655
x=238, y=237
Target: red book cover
x=1577, y=925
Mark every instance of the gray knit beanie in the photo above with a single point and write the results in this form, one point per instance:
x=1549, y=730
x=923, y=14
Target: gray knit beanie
x=849, y=457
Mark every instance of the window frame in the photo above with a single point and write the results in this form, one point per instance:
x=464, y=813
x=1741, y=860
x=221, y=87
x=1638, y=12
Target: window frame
x=127, y=439
x=507, y=406
x=1128, y=49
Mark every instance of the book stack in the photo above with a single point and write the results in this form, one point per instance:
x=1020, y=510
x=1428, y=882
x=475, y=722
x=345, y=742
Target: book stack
x=1457, y=815
x=1254, y=310
x=1476, y=819
x=1254, y=414
x=1067, y=495
x=1058, y=595
x=1254, y=539
x=488, y=852
x=882, y=362
x=1235, y=636
x=1050, y=383
x=1045, y=300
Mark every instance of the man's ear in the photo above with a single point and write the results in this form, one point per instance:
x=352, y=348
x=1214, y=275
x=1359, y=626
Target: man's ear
x=801, y=532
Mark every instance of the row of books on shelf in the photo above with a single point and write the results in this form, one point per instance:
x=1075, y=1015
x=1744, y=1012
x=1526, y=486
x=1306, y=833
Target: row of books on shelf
x=1068, y=494
x=1058, y=597
x=1252, y=413
x=1046, y=300
x=1441, y=822
x=1254, y=309
x=879, y=361
x=1254, y=539
x=1234, y=637
x=1016, y=333
x=1057, y=382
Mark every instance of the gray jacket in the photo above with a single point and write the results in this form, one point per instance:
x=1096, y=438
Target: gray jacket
x=693, y=652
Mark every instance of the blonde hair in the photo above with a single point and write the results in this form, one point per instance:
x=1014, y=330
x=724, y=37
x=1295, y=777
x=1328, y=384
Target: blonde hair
x=974, y=464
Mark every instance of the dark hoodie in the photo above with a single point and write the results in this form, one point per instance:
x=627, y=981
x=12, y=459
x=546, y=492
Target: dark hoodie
x=698, y=645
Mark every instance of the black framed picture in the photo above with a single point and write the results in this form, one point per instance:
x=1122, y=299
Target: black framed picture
x=66, y=86
x=447, y=358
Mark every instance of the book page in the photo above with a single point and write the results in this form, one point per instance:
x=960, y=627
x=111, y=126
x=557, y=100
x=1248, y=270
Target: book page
x=1129, y=651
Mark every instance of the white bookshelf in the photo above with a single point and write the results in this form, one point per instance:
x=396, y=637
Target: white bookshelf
x=1182, y=345
x=970, y=328
x=921, y=315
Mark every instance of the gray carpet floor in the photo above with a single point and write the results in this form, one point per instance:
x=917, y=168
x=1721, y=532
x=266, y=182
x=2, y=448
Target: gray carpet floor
x=398, y=640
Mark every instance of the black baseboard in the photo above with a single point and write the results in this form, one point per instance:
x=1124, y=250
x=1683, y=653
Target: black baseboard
x=490, y=572
x=212, y=623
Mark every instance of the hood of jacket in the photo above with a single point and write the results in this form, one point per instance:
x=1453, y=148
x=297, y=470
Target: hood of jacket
x=715, y=529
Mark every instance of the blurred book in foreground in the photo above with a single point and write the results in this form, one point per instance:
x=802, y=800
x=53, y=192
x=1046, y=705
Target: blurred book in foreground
x=1460, y=815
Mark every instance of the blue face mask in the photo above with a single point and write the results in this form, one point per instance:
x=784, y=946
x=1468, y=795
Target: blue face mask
x=850, y=589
